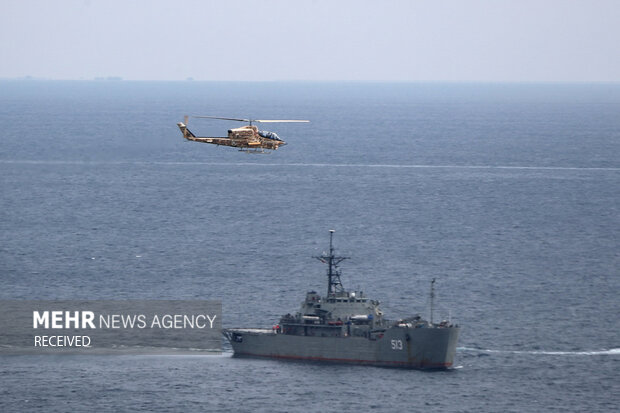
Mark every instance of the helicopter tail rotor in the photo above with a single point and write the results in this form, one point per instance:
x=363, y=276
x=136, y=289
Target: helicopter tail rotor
x=187, y=134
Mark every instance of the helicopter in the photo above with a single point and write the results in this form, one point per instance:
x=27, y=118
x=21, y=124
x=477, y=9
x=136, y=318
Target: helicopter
x=248, y=138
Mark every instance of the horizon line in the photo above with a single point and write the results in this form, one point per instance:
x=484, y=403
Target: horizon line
x=116, y=79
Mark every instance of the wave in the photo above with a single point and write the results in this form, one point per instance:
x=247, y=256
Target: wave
x=336, y=165
x=610, y=352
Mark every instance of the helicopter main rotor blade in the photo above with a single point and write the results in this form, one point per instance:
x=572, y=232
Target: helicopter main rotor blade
x=255, y=120
x=280, y=120
x=217, y=117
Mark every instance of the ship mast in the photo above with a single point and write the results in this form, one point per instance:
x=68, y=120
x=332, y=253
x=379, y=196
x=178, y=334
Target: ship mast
x=334, y=285
x=432, y=299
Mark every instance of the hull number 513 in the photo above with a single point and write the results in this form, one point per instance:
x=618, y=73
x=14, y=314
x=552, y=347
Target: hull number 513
x=397, y=344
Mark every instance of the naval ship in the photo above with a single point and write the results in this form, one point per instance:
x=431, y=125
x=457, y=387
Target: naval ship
x=349, y=327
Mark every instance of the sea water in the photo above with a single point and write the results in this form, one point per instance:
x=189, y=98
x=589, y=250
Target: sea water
x=507, y=194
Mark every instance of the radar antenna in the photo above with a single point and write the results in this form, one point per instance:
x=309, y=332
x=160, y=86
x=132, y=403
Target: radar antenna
x=334, y=285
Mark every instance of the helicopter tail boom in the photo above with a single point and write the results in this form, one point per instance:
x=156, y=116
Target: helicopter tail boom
x=187, y=134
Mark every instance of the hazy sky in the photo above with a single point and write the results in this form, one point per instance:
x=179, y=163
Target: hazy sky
x=383, y=40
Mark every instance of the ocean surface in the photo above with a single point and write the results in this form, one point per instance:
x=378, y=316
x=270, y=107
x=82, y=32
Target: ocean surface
x=507, y=194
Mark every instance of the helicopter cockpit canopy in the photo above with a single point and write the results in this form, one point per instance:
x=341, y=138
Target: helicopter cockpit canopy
x=269, y=135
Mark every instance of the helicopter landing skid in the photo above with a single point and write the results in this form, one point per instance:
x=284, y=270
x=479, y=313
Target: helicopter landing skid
x=256, y=151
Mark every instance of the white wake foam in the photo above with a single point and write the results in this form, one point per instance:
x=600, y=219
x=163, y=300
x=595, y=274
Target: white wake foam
x=610, y=352
x=336, y=165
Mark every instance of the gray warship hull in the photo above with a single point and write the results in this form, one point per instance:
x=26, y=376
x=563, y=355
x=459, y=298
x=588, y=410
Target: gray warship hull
x=415, y=348
x=349, y=327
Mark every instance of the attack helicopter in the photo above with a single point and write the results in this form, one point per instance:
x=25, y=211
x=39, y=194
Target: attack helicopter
x=247, y=138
